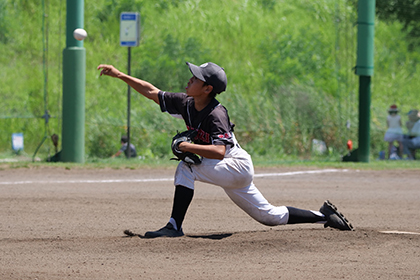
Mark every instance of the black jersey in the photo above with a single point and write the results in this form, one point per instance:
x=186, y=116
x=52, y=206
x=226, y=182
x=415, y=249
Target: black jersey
x=212, y=123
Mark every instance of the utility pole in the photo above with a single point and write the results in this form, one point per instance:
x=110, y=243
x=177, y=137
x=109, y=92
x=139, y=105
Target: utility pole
x=364, y=69
x=74, y=79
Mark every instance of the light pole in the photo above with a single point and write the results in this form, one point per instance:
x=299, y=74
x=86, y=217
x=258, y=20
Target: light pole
x=74, y=79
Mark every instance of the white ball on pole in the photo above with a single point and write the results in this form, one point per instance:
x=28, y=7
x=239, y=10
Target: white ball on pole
x=79, y=34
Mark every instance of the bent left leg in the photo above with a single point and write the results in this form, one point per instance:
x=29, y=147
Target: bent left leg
x=173, y=228
x=182, y=199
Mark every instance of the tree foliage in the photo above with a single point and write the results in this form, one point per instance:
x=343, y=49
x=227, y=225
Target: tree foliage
x=289, y=65
x=405, y=11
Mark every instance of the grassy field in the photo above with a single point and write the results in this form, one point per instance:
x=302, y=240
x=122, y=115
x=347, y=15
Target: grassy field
x=289, y=66
x=11, y=161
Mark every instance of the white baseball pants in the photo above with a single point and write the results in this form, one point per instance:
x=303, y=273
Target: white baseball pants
x=235, y=175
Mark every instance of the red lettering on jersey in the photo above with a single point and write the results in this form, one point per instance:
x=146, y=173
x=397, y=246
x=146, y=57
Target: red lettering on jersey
x=205, y=137
x=224, y=136
x=202, y=135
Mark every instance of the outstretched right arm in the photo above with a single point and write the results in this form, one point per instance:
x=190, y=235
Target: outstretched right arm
x=145, y=88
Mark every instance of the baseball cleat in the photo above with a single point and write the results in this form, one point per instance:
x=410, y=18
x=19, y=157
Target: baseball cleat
x=166, y=231
x=334, y=218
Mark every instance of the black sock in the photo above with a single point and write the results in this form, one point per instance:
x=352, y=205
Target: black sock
x=182, y=200
x=299, y=216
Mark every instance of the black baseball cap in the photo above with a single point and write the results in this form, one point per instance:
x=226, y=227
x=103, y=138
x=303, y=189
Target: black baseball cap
x=210, y=73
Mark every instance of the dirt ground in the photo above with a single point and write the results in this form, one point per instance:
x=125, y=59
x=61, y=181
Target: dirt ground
x=68, y=224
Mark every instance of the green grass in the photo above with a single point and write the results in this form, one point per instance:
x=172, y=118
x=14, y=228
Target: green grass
x=373, y=164
x=24, y=161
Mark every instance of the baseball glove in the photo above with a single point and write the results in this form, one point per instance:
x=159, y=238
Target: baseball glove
x=187, y=157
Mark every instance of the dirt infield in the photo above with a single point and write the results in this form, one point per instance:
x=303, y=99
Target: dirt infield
x=68, y=224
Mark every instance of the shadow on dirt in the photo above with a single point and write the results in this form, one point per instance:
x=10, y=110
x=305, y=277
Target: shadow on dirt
x=129, y=233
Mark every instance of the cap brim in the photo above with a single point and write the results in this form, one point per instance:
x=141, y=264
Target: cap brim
x=196, y=71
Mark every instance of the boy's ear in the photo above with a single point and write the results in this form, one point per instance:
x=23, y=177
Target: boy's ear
x=209, y=89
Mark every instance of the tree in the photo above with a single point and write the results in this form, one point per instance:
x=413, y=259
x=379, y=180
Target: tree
x=405, y=11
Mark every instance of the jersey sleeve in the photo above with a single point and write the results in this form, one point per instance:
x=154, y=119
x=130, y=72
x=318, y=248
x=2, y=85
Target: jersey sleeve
x=173, y=103
x=220, y=127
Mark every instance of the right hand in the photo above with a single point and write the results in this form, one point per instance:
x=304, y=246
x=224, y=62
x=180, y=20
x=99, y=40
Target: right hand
x=108, y=70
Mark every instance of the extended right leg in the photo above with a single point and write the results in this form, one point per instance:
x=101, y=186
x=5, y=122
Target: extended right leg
x=254, y=204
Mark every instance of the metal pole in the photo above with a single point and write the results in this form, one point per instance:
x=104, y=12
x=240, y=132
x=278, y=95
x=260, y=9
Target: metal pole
x=364, y=118
x=74, y=77
x=128, y=104
x=364, y=68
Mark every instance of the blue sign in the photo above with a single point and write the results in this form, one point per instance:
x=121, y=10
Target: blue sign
x=129, y=29
x=17, y=141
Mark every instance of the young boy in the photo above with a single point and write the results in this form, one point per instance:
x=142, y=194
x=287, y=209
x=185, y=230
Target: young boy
x=224, y=162
x=123, y=149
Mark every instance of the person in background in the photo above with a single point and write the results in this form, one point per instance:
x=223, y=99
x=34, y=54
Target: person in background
x=394, y=131
x=413, y=117
x=412, y=142
x=124, y=144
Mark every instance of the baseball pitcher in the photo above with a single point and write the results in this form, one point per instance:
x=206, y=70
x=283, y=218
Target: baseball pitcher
x=209, y=152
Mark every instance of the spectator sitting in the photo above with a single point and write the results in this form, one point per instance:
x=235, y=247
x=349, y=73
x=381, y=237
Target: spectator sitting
x=124, y=143
x=412, y=142
x=413, y=117
x=394, y=131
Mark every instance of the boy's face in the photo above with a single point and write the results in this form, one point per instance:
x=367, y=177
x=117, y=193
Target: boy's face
x=196, y=87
